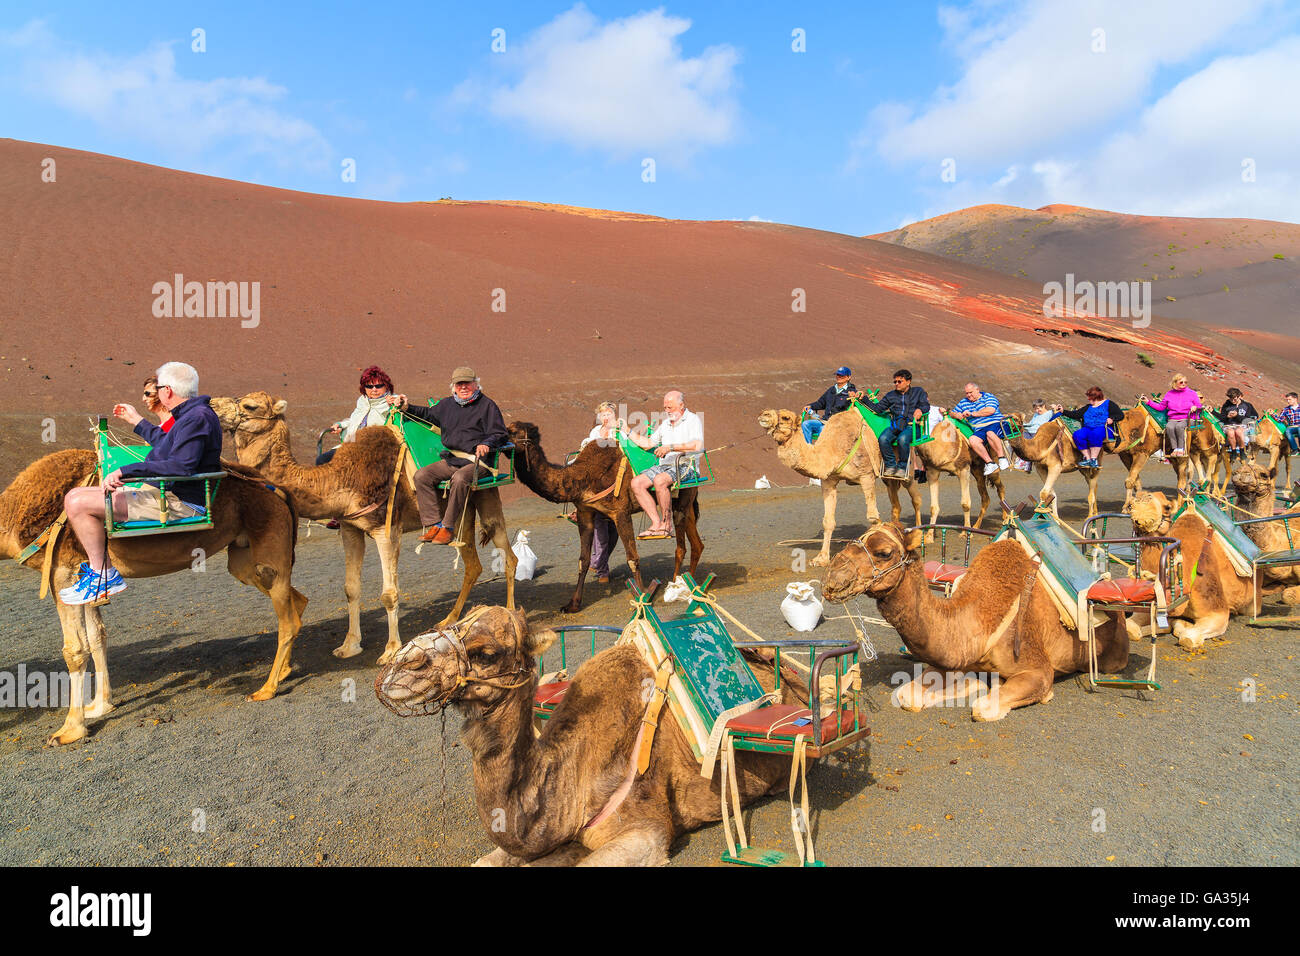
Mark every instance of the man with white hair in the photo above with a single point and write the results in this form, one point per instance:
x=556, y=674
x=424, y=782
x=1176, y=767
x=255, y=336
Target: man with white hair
x=677, y=436
x=470, y=422
x=191, y=447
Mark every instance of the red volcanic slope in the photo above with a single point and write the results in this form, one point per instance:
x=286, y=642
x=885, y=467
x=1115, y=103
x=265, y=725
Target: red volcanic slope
x=598, y=305
x=1223, y=272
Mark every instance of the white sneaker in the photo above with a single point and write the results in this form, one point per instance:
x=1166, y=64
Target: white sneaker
x=1003, y=464
x=991, y=468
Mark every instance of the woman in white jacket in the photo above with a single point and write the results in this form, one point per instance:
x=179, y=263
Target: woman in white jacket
x=372, y=408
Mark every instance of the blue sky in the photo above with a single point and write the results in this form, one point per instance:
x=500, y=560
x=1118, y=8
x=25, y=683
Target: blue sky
x=895, y=111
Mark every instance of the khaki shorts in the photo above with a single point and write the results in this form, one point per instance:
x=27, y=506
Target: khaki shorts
x=144, y=503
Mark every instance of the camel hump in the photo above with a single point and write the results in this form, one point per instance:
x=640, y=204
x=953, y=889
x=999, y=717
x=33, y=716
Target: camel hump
x=375, y=439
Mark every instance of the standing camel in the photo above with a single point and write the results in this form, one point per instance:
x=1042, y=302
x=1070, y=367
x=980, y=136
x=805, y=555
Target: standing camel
x=253, y=523
x=997, y=622
x=538, y=795
x=949, y=453
x=847, y=450
x=599, y=482
x=1052, y=453
x=1270, y=440
x=355, y=488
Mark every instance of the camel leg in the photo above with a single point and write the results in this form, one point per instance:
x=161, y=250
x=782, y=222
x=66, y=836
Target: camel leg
x=932, y=479
x=586, y=532
x=627, y=534
x=473, y=567
x=103, y=702
x=679, y=528
x=643, y=845
x=501, y=538
x=935, y=687
x=354, y=553
x=390, y=548
x=1192, y=635
x=75, y=654
x=895, y=506
x=982, y=486
x=1019, y=690
x=914, y=492
x=567, y=855
x=244, y=565
x=1092, y=492
x=829, y=494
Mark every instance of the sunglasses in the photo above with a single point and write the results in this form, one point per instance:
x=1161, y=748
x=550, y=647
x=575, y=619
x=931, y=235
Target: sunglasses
x=374, y=385
x=151, y=394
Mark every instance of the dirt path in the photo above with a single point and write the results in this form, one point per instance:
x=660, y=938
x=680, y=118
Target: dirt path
x=1191, y=774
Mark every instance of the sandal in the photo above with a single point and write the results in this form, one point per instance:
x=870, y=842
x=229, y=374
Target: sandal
x=652, y=535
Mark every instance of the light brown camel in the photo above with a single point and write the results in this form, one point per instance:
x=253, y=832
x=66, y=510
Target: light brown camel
x=1254, y=487
x=1215, y=589
x=986, y=634
x=354, y=487
x=1138, y=437
x=1270, y=440
x=256, y=527
x=949, y=453
x=536, y=793
x=846, y=451
x=589, y=482
x=1052, y=453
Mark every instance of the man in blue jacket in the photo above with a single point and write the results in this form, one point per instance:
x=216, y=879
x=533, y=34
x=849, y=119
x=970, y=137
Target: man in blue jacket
x=904, y=404
x=834, y=400
x=191, y=447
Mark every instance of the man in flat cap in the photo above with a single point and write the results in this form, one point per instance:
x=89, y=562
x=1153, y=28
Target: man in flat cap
x=834, y=400
x=472, y=427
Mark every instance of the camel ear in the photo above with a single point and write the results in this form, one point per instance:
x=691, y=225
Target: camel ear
x=913, y=540
x=279, y=407
x=538, y=642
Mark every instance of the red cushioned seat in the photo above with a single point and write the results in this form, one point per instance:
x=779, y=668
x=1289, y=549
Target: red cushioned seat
x=757, y=723
x=1123, y=591
x=550, y=695
x=939, y=573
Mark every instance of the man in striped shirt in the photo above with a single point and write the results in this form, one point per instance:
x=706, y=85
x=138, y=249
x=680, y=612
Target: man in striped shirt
x=980, y=410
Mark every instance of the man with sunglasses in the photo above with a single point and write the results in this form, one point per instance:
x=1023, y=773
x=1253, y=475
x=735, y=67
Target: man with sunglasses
x=905, y=404
x=472, y=427
x=192, y=446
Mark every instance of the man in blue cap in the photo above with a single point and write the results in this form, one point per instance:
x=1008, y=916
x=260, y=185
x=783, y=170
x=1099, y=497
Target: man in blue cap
x=834, y=400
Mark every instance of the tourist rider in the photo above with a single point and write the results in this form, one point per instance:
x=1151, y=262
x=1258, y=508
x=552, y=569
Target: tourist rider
x=155, y=407
x=1239, y=419
x=903, y=405
x=1040, y=415
x=472, y=427
x=372, y=409
x=677, y=441
x=981, y=411
x=191, y=446
x=1099, y=417
x=1290, y=416
x=605, y=532
x=1179, y=403
x=834, y=400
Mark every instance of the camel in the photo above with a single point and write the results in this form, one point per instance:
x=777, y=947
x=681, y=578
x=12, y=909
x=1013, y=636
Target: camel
x=538, y=793
x=846, y=450
x=1254, y=487
x=255, y=525
x=949, y=453
x=1215, y=590
x=592, y=483
x=1138, y=437
x=1270, y=440
x=1052, y=453
x=997, y=622
x=354, y=487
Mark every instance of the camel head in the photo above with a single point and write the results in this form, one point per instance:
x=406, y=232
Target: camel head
x=782, y=424
x=249, y=418
x=227, y=410
x=472, y=664
x=524, y=434
x=874, y=564
x=1253, y=482
x=1151, y=513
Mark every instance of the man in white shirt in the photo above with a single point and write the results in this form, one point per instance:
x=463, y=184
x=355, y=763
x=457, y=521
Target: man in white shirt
x=677, y=437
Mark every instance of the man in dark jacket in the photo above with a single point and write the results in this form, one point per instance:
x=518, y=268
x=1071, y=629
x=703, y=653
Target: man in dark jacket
x=834, y=400
x=472, y=427
x=192, y=446
x=903, y=405
x=1239, y=419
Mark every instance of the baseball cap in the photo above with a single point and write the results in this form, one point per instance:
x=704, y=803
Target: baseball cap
x=844, y=370
x=463, y=374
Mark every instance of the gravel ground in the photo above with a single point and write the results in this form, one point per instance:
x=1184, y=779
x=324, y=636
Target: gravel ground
x=184, y=771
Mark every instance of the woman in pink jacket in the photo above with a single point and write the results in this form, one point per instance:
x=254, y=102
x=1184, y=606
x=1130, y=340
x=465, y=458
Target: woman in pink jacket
x=1180, y=403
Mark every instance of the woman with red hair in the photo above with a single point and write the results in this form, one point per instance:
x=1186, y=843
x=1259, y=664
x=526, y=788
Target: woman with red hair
x=1099, y=416
x=372, y=408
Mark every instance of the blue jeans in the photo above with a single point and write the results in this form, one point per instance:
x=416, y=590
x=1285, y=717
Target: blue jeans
x=812, y=428
x=904, y=438
x=1293, y=436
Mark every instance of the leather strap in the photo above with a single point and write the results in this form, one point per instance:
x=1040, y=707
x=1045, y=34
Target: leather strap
x=392, y=492
x=650, y=720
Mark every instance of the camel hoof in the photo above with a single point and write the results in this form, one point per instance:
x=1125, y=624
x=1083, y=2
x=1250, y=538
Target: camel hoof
x=820, y=560
x=98, y=709
x=388, y=655
x=1191, y=643
x=572, y=607
x=66, y=735
x=345, y=650
x=985, y=714
x=262, y=693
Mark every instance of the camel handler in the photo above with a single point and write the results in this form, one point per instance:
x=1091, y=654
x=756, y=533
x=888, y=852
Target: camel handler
x=192, y=446
x=469, y=420
x=834, y=400
x=679, y=434
x=981, y=411
x=905, y=404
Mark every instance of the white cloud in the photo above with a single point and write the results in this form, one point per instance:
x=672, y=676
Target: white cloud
x=622, y=86
x=143, y=96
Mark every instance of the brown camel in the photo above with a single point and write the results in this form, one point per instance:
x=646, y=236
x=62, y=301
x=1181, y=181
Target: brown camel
x=1216, y=590
x=1138, y=437
x=1254, y=487
x=536, y=793
x=949, y=453
x=354, y=487
x=255, y=525
x=986, y=628
x=1052, y=453
x=598, y=483
x=1270, y=440
x=846, y=451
